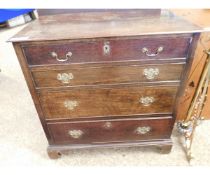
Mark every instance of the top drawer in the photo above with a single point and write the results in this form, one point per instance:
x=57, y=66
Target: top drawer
x=106, y=50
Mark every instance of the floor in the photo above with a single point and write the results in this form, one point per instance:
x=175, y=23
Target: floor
x=22, y=140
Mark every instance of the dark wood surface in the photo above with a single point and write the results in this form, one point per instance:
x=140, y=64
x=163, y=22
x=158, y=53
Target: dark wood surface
x=108, y=101
x=121, y=49
x=164, y=146
x=97, y=75
x=102, y=24
x=106, y=87
x=119, y=131
x=120, y=12
x=139, y=62
x=30, y=84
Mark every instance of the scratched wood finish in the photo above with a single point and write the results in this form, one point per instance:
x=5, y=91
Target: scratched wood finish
x=108, y=75
x=111, y=130
x=106, y=86
x=107, y=101
x=120, y=49
x=96, y=25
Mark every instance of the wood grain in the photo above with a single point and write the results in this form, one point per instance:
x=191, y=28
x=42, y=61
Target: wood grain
x=96, y=25
x=120, y=130
x=107, y=87
x=55, y=151
x=121, y=49
x=187, y=88
x=199, y=17
x=30, y=84
x=110, y=101
x=93, y=75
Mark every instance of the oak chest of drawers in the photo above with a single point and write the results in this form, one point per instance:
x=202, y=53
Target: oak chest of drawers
x=104, y=79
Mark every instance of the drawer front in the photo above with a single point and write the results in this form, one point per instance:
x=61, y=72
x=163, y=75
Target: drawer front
x=107, y=75
x=118, y=101
x=100, y=50
x=110, y=131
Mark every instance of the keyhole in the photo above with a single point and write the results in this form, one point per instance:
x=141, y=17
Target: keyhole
x=106, y=48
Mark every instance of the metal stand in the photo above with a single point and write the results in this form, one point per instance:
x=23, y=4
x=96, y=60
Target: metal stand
x=188, y=126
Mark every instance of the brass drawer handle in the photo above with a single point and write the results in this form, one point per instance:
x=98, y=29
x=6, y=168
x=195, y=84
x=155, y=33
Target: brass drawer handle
x=107, y=125
x=55, y=55
x=65, y=77
x=76, y=134
x=146, y=101
x=70, y=104
x=146, y=51
x=142, y=130
x=151, y=73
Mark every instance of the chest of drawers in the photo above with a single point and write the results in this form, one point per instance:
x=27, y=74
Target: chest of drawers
x=102, y=79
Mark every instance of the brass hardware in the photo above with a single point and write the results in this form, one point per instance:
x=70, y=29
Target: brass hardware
x=146, y=51
x=146, y=101
x=70, y=104
x=188, y=126
x=106, y=48
x=65, y=77
x=107, y=125
x=76, y=134
x=55, y=55
x=150, y=73
x=142, y=130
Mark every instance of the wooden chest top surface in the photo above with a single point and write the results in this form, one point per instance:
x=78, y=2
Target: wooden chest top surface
x=103, y=24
